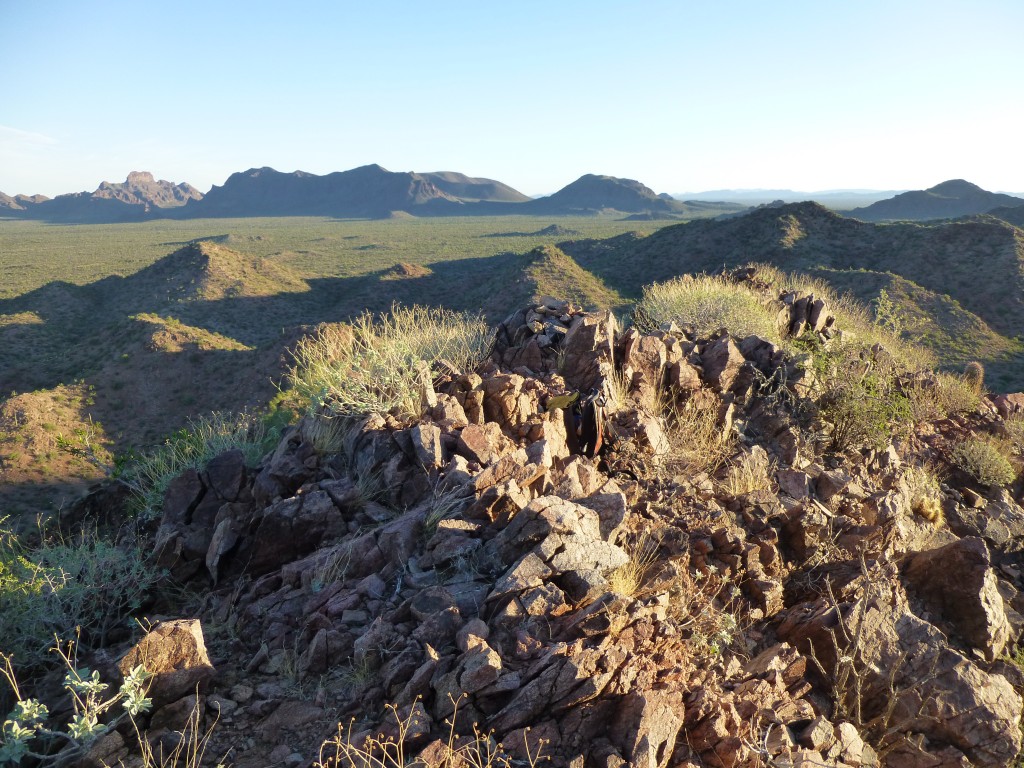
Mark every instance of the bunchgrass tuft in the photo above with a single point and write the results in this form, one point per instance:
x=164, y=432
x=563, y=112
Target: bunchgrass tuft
x=706, y=303
x=371, y=366
x=149, y=473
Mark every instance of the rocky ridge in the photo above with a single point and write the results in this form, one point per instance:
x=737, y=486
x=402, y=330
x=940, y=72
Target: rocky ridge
x=470, y=566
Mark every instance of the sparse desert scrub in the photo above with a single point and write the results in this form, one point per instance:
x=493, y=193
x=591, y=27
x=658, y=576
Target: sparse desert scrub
x=372, y=367
x=1014, y=425
x=751, y=471
x=148, y=474
x=858, y=400
x=985, y=459
x=706, y=303
x=476, y=750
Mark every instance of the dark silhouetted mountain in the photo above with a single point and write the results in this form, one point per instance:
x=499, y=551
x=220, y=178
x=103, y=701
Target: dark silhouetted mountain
x=20, y=202
x=366, y=191
x=947, y=200
x=592, y=193
x=470, y=189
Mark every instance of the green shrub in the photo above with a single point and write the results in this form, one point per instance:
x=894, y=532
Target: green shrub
x=706, y=303
x=858, y=400
x=372, y=366
x=87, y=587
x=984, y=459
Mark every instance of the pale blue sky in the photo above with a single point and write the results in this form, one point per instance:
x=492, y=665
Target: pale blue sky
x=683, y=96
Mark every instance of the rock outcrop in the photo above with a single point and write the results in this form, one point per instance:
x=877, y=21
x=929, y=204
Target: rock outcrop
x=470, y=567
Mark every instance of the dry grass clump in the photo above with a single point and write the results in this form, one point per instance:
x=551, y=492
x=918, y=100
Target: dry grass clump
x=1014, y=425
x=627, y=579
x=944, y=395
x=925, y=493
x=852, y=317
x=479, y=750
x=706, y=303
x=374, y=367
x=696, y=440
x=985, y=459
x=749, y=473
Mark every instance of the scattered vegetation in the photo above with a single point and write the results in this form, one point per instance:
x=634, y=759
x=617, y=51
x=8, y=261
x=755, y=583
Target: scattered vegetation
x=750, y=472
x=924, y=490
x=373, y=366
x=478, y=750
x=629, y=578
x=942, y=395
x=696, y=441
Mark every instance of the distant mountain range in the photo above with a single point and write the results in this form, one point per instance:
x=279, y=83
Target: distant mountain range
x=371, y=191
x=366, y=192
x=947, y=200
x=837, y=199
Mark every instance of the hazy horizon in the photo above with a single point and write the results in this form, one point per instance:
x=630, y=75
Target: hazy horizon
x=800, y=96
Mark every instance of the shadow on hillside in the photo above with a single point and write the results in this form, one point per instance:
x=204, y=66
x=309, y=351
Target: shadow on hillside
x=81, y=331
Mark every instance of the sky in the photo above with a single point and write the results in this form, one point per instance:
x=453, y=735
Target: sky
x=681, y=95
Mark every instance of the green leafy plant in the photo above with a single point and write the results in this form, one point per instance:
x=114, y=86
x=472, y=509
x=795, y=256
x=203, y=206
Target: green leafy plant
x=26, y=733
x=87, y=584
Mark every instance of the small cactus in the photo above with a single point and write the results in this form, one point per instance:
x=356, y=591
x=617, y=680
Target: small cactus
x=974, y=375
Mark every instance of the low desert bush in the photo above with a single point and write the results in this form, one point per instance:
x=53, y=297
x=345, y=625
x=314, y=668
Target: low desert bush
x=148, y=474
x=706, y=303
x=89, y=587
x=1014, y=425
x=859, y=401
x=985, y=459
x=372, y=367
